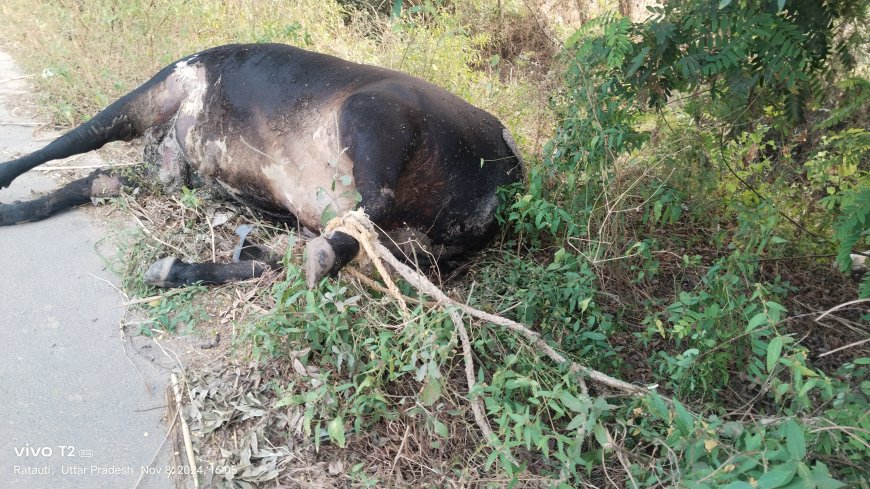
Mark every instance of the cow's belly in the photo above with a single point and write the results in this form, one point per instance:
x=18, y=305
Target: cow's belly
x=304, y=171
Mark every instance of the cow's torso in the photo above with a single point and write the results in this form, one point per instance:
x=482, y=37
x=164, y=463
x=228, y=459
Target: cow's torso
x=283, y=130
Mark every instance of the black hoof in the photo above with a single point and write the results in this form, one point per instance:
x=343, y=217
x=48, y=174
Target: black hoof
x=319, y=260
x=6, y=179
x=160, y=273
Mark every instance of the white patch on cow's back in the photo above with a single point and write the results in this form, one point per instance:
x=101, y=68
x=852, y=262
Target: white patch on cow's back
x=191, y=77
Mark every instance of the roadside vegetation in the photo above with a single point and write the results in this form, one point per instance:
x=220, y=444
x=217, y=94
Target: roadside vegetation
x=696, y=185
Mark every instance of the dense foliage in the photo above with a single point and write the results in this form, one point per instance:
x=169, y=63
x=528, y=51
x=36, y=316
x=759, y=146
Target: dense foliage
x=725, y=134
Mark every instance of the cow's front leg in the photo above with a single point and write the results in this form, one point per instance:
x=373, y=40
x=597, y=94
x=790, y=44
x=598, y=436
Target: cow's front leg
x=172, y=272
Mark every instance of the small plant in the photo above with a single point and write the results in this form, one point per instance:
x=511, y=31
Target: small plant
x=176, y=312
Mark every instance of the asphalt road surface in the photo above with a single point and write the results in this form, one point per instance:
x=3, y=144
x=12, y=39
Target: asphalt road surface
x=78, y=409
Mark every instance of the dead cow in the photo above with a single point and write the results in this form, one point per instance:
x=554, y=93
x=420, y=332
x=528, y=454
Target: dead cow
x=299, y=134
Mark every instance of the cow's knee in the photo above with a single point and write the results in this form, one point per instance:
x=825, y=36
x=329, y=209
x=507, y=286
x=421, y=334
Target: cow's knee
x=326, y=255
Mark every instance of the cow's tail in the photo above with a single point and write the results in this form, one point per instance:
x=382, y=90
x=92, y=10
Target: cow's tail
x=151, y=104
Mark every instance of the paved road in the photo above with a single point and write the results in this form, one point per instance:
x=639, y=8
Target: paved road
x=76, y=411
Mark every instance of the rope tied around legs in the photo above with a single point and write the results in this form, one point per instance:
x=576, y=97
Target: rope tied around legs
x=357, y=224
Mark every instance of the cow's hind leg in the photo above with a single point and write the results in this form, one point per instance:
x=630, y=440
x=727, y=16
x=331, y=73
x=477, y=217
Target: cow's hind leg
x=78, y=192
x=153, y=103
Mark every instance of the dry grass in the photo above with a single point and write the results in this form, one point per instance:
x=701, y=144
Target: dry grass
x=85, y=54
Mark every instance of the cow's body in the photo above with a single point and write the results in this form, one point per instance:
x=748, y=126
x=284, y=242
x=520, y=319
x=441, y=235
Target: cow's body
x=295, y=133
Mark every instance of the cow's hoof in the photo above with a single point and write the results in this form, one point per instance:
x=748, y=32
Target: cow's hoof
x=319, y=260
x=6, y=177
x=157, y=274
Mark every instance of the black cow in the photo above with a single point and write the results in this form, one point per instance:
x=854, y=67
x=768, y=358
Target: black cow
x=296, y=133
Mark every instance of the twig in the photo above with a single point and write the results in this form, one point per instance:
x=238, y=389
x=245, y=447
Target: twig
x=185, y=431
x=119, y=291
x=401, y=447
x=141, y=301
x=476, y=404
x=620, y=455
x=850, y=345
x=845, y=304
x=758, y=194
x=22, y=77
x=159, y=449
x=211, y=231
x=365, y=279
x=800, y=257
x=155, y=238
x=84, y=167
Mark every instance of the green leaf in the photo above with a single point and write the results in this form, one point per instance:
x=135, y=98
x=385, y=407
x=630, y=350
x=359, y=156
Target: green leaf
x=600, y=433
x=774, y=352
x=779, y=5
x=657, y=406
x=345, y=180
x=441, y=429
x=336, y=431
x=637, y=61
x=684, y=418
x=573, y=403
x=795, y=440
x=431, y=392
x=577, y=422
x=739, y=485
x=822, y=478
x=756, y=321
x=724, y=3
x=778, y=476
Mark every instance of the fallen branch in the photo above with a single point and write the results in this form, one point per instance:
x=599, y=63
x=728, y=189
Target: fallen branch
x=845, y=304
x=357, y=225
x=185, y=431
x=850, y=345
x=476, y=404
